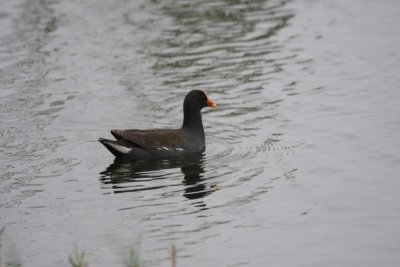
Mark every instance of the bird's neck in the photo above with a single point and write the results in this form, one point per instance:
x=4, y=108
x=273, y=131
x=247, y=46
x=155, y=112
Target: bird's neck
x=192, y=121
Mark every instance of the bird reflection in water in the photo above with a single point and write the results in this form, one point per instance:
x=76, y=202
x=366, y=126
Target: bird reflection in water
x=132, y=176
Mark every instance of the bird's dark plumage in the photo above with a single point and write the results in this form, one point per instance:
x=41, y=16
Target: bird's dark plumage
x=163, y=143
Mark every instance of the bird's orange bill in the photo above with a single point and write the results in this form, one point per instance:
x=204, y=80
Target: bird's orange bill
x=211, y=103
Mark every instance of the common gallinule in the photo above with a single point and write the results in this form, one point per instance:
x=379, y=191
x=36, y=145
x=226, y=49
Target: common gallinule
x=136, y=144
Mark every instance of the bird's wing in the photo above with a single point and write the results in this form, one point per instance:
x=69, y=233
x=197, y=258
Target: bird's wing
x=153, y=139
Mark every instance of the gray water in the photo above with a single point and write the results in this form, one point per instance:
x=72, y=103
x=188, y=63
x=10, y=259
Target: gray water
x=303, y=153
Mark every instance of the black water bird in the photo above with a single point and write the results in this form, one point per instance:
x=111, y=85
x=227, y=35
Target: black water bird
x=137, y=144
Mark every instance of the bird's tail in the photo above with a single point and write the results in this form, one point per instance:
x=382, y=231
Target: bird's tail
x=115, y=147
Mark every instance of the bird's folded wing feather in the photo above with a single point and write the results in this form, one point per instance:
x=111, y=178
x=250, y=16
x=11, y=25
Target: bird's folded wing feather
x=153, y=139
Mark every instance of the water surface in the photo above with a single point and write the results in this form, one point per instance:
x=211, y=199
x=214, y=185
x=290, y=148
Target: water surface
x=302, y=159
